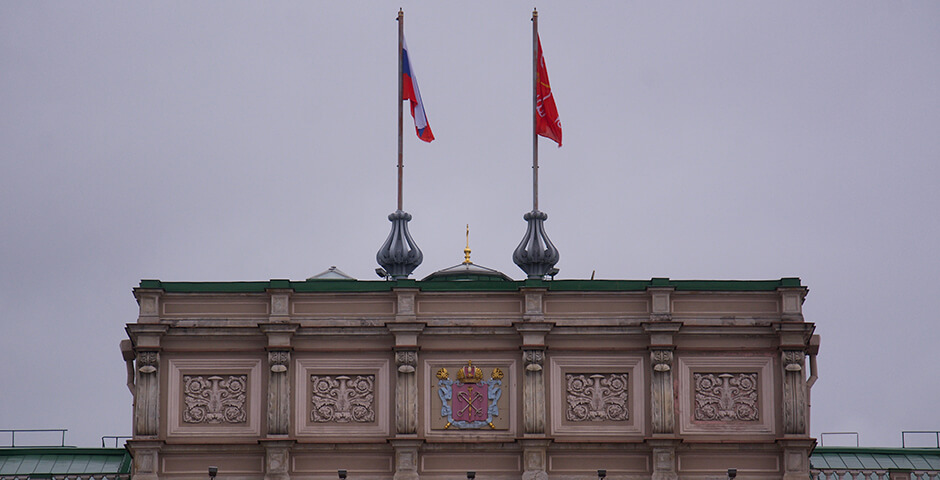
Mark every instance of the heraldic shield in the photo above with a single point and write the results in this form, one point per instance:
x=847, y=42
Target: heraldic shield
x=469, y=402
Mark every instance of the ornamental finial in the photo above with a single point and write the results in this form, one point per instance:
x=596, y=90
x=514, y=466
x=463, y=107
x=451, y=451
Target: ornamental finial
x=466, y=250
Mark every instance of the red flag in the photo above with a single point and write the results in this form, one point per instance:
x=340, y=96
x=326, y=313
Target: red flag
x=547, y=123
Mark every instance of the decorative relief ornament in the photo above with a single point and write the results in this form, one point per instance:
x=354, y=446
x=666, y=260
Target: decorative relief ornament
x=533, y=360
x=726, y=397
x=469, y=402
x=343, y=399
x=597, y=397
x=279, y=360
x=215, y=399
x=793, y=360
x=662, y=360
x=147, y=362
x=406, y=360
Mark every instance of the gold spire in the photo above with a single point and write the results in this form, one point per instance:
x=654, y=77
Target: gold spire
x=466, y=251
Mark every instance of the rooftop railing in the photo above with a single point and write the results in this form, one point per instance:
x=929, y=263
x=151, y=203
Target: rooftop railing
x=13, y=433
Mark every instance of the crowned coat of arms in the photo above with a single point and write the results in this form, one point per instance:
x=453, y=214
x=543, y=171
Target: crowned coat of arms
x=469, y=401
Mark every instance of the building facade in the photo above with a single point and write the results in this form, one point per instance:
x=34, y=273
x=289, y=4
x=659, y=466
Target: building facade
x=468, y=370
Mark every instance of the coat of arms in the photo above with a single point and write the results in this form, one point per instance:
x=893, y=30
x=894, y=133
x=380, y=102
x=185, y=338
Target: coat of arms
x=469, y=401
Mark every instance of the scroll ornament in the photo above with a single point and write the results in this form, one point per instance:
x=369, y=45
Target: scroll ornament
x=406, y=360
x=662, y=360
x=147, y=362
x=343, y=399
x=215, y=399
x=726, y=397
x=278, y=360
x=533, y=360
x=596, y=397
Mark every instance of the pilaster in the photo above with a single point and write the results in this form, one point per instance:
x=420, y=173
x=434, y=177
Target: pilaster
x=147, y=378
x=276, y=458
x=794, y=392
x=533, y=329
x=662, y=384
x=280, y=301
x=146, y=458
x=279, y=349
x=406, y=362
x=534, y=459
x=406, y=459
x=664, y=458
x=796, y=457
x=148, y=301
x=791, y=303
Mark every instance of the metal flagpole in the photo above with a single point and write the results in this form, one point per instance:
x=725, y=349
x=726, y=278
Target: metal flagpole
x=535, y=106
x=399, y=255
x=401, y=37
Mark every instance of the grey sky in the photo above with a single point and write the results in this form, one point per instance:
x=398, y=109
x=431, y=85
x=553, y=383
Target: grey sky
x=249, y=141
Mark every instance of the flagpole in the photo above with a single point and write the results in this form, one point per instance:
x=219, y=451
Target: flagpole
x=536, y=255
x=535, y=105
x=401, y=36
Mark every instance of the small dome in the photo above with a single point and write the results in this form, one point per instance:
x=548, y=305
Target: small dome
x=331, y=273
x=467, y=271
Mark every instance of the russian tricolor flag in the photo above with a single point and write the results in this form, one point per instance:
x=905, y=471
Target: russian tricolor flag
x=409, y=91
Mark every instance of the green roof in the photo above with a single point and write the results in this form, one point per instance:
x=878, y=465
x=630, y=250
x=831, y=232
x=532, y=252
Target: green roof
x=46, y=461
x=855, y=458
x=483, y=284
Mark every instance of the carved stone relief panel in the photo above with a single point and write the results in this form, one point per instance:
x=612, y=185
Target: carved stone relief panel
x=214, y=399
x=721, y=395
x=726, y=397
x=596, y=397
x=342, y=398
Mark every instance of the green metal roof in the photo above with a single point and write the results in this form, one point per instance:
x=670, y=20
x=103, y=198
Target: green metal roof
x=482, y=284
x=855, y=458
x=63, y=461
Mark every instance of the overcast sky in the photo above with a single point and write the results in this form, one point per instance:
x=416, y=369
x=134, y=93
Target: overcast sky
x=249, y=141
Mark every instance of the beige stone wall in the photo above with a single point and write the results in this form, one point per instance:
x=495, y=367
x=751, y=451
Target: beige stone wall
x=655, y=384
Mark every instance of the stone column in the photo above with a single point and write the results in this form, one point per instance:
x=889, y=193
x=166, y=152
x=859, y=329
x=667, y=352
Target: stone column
x=794, y=392
x=406, y=391
x=406, y=459
x=147, y=411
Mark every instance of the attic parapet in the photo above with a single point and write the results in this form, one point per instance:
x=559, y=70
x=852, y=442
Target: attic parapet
x=534, y=306
x=280, y=293
x=660, y=300
x=405, y=304
x=148, y=300
x=791, y=300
